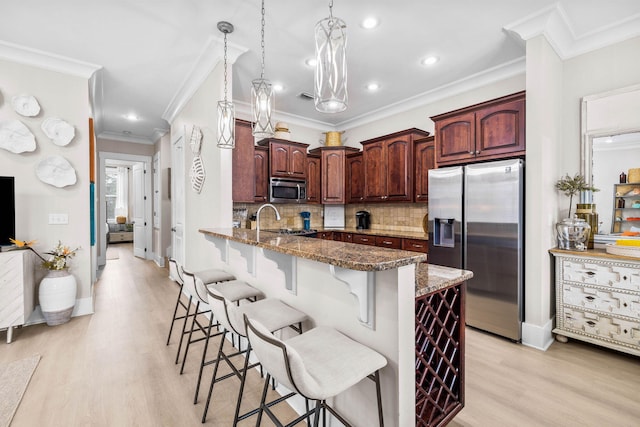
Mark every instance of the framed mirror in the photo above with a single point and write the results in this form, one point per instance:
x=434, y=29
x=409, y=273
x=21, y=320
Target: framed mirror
x=610, y=147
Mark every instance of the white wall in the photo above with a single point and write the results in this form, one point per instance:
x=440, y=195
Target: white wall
x=65, y=97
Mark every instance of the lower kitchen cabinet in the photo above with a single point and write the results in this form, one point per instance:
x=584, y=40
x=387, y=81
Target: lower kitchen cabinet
x=364, y=239
x=415, y=245
x=389, y=242
x=598, y=299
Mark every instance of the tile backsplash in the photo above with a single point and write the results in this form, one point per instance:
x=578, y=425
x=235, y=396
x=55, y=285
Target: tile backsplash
x=387, y=216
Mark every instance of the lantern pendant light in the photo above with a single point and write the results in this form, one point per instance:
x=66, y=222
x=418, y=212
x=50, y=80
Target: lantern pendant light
x=226, y=109
x=262, y=97
x=331, y=64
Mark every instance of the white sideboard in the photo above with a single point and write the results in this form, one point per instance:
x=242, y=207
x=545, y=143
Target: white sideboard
x=17, y=289
x=598, y=299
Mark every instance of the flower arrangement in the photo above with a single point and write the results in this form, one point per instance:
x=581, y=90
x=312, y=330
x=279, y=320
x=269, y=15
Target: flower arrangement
x=572, y=186
x=60, y=254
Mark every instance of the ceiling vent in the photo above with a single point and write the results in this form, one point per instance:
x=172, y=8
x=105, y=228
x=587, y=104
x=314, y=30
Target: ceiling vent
x=306, y=96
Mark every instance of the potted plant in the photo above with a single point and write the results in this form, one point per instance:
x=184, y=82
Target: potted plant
x=57, y=293
x=572, y=233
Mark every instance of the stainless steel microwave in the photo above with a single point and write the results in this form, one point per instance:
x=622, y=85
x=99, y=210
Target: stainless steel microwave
x=287, y=190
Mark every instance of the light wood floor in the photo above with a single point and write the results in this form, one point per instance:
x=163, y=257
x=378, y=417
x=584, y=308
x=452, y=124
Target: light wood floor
x=113, y=369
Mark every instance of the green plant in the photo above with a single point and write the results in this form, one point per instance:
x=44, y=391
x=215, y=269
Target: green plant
x=571, y=186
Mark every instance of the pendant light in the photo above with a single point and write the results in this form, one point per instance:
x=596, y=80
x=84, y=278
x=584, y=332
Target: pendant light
x=226, y=109
x=331, y=64
x=262, y=97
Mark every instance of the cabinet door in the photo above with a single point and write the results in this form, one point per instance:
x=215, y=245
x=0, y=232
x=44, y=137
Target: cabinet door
x=364, y=239
x=455, y=138
x=242, y=164
x=326, y=235
x=399, y=169
x=500, y=130
x=261, y=165
x=333, y=174
x=375, y=171
x=424, y=157
x=389, y=242
x=355, y=179
x=313, y=179
x=415, y=245
x=280, y=161
x=298, y=162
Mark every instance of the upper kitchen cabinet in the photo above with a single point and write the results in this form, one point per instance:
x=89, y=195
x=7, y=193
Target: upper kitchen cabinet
x=491, y=130
x=287, y=159
x=313, y=178
x=333, y=167
x=243, y=190
x=388, y=166
x=424, y=159
x=355, y=178
x=261, y=174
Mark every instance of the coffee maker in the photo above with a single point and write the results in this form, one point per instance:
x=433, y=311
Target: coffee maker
x=363, y=220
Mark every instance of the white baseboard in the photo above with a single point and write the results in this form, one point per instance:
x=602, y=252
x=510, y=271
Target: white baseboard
x=158, y=260
x=539, y=337
x=83, y=307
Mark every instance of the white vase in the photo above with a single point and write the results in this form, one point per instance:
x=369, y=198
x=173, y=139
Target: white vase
x=57, y=296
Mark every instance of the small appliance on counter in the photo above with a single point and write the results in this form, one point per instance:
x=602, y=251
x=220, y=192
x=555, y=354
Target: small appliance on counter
x=306, y=219
x=363, y=220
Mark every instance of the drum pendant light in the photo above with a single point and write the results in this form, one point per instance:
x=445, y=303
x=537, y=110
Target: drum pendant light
x=226, y=109
x=331, y=64
x=262, y=97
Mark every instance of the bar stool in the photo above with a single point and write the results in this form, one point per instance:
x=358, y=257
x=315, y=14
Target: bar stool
x=233, y=290
x=273, y=313
x=174, y=274
x=205, y=277
x=318, y=365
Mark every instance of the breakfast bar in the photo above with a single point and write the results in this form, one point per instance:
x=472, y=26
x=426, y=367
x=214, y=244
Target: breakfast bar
x=390, y=300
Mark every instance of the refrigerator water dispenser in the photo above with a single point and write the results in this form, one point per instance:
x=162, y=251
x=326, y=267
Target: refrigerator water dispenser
x=443, y=232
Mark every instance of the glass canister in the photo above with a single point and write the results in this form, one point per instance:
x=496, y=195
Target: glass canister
x=573, y=234
x=587, y=211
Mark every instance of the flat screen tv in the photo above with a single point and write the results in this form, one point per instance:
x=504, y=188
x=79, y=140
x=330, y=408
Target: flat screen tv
x=7, y=210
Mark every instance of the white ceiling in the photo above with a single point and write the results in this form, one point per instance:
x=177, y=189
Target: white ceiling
x=148, y=50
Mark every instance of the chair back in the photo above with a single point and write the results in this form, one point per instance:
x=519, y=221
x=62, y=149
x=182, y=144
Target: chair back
x=195, y=286
x=280, y=360
x=224, y=311
x=174, y=271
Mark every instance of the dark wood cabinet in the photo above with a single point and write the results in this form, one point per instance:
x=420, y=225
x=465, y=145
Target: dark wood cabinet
x=326, y=235
x=333, y=166
x=243, y=172
x=364, y=239
x=424, y=160
x=388, y=166
x=261, y=174
x=492, y=130
x=287, y=159
x=313, y=179
x=355, y=178
x=389, y=242
x=415, y=245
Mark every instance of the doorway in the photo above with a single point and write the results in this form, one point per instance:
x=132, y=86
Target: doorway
x=133, y=220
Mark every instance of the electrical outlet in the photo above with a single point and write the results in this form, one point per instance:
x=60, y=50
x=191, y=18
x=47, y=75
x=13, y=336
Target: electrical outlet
x=58, y=218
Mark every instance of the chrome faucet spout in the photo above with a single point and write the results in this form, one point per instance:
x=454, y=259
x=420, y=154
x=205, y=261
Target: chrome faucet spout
x=258, y=215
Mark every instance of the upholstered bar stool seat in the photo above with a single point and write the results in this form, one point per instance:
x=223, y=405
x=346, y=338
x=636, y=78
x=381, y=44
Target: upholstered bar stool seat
x=273, y=313
x=213, y=275
x=318, y=364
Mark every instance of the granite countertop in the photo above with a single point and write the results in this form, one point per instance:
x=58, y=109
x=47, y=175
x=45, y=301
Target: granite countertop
x=341, y=254
x=432, y=278
x=377, y=232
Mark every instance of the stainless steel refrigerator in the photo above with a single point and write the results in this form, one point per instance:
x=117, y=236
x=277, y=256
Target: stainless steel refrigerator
x=476, y=222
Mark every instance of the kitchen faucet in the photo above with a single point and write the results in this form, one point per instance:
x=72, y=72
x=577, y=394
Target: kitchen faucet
x=258, y=216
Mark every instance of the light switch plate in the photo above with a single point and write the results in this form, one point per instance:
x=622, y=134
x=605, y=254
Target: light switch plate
x=58, y=218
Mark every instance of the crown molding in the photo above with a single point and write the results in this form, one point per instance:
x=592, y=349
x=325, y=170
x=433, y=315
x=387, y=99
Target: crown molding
x=48, y=61
x=553, y=23
x=114, y=136
x=211, y=54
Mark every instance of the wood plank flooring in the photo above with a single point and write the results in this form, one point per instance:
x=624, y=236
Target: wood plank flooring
x=113, y=369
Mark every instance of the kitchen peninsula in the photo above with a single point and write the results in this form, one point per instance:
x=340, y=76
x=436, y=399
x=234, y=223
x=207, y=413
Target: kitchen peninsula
x=409, y=311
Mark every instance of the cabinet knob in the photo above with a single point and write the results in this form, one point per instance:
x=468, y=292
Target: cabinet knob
x=472, y=152
x=477, y=152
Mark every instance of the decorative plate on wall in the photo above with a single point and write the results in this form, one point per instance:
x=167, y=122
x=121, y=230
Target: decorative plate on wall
x=197, y=174
x=25, y=105
x=59, y=131
x=16, y=137
x=196, y=140
x=56, y=171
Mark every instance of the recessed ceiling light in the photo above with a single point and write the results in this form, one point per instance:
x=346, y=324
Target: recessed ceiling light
x=278, y=87
x=311, y=62
x=369, y=23
x=373, y=87
x=126, y=132
x=131, y=117
x=430, y=60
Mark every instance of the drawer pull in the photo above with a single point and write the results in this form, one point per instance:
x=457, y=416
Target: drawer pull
x=591, y=323
x=590, y=273
x=590, y=298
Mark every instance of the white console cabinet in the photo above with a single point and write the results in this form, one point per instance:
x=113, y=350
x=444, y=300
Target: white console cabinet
x=17, y=289
x=598, y=299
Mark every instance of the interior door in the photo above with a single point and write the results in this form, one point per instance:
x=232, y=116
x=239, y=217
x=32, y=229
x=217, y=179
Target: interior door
x=139, y=223
x=177, y=198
